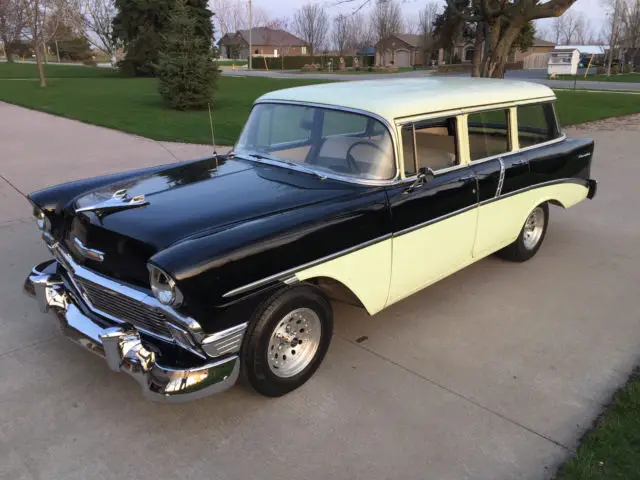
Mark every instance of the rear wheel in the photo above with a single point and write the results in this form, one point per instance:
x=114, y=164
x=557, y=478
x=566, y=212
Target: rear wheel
x=287, y=340
x=531, y=236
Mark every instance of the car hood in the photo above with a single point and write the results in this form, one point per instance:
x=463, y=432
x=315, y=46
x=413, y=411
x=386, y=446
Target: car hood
x=198, y=198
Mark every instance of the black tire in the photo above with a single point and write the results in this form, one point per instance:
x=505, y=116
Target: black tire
x=518, y=251
x=255, y=351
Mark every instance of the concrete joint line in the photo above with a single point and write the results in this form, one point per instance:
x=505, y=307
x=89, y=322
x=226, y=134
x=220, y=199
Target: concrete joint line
x=29, y=345
x=459, y=395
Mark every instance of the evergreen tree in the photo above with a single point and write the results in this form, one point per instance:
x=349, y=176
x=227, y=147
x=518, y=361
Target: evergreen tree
x=140, y=25
x=187, y=73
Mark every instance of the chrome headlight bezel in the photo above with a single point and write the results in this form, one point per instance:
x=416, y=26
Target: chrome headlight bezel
x=164, y=287
x=42, y=221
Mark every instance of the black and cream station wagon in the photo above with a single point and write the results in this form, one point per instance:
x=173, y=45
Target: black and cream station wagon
x=188, y=275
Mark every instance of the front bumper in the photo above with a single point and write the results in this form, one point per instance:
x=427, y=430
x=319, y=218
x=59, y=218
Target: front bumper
x=122, y=346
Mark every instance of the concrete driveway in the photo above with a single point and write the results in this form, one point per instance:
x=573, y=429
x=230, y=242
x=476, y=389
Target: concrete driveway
x=493, y=373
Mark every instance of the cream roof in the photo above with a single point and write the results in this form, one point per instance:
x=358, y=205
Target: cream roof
x=404, y=97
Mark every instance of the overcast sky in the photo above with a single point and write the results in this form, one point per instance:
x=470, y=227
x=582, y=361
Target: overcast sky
x=592, y=9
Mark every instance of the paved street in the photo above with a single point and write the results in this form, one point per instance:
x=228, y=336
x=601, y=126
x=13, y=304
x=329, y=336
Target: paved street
x=493, y=373
x=538, y=76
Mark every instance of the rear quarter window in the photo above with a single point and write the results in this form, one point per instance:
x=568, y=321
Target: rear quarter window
x=536, y=124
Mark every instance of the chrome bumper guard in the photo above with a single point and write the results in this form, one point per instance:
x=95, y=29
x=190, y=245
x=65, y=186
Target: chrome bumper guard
x=122, y=346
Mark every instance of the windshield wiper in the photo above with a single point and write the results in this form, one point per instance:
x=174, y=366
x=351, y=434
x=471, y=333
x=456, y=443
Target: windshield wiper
x=295, y=165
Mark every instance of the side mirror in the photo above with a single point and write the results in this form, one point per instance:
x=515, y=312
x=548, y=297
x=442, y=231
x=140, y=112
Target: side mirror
x=425, y=174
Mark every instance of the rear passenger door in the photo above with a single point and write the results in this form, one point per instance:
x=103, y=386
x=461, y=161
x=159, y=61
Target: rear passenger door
x=500, y=171
x=433, y=224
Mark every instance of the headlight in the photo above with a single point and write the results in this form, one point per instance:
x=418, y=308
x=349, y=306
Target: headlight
x=164, y=287
x=42, y=221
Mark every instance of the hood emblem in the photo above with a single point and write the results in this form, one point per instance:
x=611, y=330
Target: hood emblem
x=118, y=201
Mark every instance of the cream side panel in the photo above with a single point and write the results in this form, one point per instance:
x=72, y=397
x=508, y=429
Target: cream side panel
x=367, y=272
x=500, y=222
x=426, y=255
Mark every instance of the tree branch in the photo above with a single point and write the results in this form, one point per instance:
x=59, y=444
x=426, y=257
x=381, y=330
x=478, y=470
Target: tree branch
x=463, y=15
x=553, y=8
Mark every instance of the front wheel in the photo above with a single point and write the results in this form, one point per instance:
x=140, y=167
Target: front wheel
x=287, y=340
x=531, y=236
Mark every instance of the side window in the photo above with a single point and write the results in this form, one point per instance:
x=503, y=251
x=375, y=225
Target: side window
x=436, y=145
x=488, y=133
x=536, y=124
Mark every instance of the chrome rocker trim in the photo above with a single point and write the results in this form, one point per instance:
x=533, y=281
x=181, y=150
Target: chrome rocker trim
x=122, y=347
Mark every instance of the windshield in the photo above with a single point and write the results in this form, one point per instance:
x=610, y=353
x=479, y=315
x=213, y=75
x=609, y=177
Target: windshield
x=325, y=140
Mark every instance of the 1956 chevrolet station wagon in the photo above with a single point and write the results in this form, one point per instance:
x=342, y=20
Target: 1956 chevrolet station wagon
x=188, y=275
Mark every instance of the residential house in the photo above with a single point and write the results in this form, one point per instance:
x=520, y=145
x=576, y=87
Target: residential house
x=537, y=56
x=267, y=42
x=400, y=50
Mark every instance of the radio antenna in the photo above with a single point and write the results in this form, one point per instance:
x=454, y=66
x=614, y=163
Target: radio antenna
x=213, y=138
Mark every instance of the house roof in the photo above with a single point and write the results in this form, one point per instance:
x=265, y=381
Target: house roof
x=408, y=38
x=262, y=36
x=538, y=42
x=398, y=98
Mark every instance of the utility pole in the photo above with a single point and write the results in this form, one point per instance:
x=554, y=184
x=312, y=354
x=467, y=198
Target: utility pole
x=250, y=28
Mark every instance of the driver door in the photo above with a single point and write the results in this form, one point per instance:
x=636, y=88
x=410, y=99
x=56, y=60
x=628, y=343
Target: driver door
x=434, y=223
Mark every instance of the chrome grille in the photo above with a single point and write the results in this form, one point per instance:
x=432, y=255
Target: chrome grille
x=123, y=308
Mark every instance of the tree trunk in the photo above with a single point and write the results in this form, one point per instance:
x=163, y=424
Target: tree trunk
x=477, y=50
x=43, y=81
x=8, y=51
x=500, y=44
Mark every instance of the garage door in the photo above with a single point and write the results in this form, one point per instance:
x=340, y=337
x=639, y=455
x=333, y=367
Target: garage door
x=403, y=58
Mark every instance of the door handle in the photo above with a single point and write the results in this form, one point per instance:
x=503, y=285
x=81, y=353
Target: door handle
x=520, y=162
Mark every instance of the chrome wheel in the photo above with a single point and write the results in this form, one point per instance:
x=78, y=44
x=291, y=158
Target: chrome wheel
x=533, y=228
x=294, y=342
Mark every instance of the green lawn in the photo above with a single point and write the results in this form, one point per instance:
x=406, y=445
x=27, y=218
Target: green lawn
x=611, y=450
x=134, y=105
x=623, y=77
x=222, y=63
x=51, y=70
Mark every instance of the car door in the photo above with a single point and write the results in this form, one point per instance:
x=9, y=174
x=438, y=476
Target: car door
x=500, y=171
x=433, y=222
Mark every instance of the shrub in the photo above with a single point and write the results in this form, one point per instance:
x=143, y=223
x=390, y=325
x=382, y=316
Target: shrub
x=615, y=69
x=187, y=73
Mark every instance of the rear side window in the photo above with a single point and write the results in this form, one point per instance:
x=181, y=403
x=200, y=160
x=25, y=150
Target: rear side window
x=536, y=124
x=488, y=134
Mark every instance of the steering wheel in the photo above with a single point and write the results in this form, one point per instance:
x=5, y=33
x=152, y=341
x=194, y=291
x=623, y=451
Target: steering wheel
x=353, y=165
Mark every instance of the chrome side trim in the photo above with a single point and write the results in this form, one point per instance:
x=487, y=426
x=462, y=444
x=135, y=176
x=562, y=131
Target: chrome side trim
x=501, y=179
x=87, y=252
x=287, y=273
x=434, y=220
x=225, y=342
x=578, y=181
x=284, y=274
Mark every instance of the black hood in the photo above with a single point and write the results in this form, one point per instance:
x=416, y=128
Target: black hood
x=199, y=198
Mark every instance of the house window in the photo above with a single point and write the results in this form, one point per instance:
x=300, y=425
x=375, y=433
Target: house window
x=468, y=54
x=435, y=143
x=303, y=50
x=488, y=133
x=536, y=124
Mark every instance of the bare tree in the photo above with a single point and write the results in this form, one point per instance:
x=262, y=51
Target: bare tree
x=311, y=24
x=342, y=29
x=386, y=19
x=233, y=15
x=13, y=20
x=426, y=20
x=96, y=17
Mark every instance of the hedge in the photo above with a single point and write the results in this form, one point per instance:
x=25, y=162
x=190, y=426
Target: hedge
x=467, y=67
x=296, y=62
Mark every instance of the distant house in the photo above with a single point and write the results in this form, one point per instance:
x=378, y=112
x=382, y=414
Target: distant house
x=537, y=56
x=400, y=50
x=267, y=42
